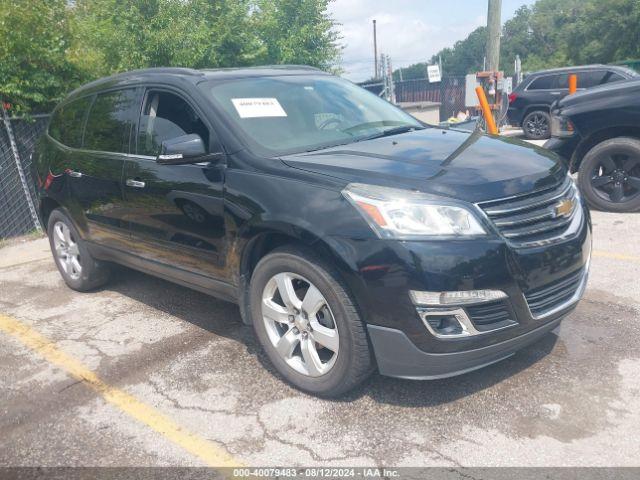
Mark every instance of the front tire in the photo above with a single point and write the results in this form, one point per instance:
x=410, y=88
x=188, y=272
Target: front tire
x=537, y=125
x=78, y=268
x=308, y=324
x=609, y=175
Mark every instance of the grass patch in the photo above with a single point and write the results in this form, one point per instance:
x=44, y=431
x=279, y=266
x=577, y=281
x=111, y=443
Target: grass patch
x=27, y=237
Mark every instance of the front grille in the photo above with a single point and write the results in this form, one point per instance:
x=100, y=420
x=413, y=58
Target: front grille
x=533, y=218
x=489, y=316
x=544, y=299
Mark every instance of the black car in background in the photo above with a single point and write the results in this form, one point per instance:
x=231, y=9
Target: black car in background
x=598, y=133
x=352, y=237
x=530, y=101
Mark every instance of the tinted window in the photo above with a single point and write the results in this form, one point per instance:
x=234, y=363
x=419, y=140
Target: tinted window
x=585, y=79
x=590, y=79
x=563, y=81
x=542, y=83
x=110, y=120
x=166, y=116
x=67, y=122
x=614, y=77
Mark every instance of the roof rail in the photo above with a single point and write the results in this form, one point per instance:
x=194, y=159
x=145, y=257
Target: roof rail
x=260, y=67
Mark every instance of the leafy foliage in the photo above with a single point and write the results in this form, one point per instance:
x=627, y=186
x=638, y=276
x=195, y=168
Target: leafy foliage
x=56, y=45
x=551, y=34
x=34, y=68
x=297, y=32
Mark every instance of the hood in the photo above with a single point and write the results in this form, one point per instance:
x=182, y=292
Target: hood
x=461, y=165
x=604, y=92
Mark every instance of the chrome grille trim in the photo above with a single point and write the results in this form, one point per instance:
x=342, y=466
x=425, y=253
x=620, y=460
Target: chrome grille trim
x=531, y=219
x=523, y=202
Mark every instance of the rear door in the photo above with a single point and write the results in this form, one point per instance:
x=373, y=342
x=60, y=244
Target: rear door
x=175, y=212
x=95, y=176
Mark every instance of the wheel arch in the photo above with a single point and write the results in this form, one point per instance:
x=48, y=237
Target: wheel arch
x=47, y=205
x=598, y=137
x=533, y=108
x=268, y=238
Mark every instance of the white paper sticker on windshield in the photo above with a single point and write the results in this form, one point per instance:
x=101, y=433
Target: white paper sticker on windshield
x=258, y=107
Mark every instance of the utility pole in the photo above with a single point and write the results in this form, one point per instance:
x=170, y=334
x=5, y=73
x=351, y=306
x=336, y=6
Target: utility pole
x=493, y=35
x=375, y=51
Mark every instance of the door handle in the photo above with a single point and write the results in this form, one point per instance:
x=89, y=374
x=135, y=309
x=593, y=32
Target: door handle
x=73, y=173
x=134, y=183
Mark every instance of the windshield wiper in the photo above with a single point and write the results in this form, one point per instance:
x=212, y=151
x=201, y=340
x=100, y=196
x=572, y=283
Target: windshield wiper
x=392, y=131
x=385, y=133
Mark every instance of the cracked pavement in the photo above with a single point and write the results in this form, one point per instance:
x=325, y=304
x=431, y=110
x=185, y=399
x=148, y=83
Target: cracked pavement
x=572, y=399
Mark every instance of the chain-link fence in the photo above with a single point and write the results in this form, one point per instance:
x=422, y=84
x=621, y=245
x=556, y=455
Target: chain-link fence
x=18, y=137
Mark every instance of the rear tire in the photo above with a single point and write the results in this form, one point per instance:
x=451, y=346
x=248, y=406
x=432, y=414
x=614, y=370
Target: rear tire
x=78, y=268
x=346, y=359
x=537, y=125
x=609, y=175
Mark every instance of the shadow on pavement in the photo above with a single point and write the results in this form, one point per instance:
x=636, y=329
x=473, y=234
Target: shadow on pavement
x=223, y=319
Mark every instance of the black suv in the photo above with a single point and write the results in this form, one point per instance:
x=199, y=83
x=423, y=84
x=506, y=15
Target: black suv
x=530, y=101
x=598, y=133
x=351, y=236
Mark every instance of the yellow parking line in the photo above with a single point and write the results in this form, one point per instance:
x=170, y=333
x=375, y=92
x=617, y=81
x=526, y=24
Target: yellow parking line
x=616, y=256
x=205, y=450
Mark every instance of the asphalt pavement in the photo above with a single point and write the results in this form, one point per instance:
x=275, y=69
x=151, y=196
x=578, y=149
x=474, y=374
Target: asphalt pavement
x=146, y=373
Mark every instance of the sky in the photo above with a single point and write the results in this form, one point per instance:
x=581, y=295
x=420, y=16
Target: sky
x=409, y=31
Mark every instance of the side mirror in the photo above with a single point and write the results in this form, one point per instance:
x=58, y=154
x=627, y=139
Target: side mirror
x=182, y=150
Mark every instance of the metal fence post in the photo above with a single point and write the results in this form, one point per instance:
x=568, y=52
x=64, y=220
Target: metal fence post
x=23, y=178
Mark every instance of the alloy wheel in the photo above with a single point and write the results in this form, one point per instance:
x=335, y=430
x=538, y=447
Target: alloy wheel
x=67, y=252
x=537, y=125
x=300, y=324
x=616, y=178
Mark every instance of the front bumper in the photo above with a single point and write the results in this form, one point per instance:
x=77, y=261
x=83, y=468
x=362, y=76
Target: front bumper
x=543, y=284
x=398, y=357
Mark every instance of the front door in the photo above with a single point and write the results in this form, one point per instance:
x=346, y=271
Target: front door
x=95, y=173
x=175, y=212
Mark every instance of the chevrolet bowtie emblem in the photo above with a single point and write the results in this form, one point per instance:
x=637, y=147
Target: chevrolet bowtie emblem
x=564, y=208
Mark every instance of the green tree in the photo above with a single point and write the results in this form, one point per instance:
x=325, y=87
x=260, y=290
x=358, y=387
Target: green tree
x=553, y=34
x=117, y=35
x=605, y=32
x=297, y=32
x=465, y=56
x=34, y=69
x=50, y=47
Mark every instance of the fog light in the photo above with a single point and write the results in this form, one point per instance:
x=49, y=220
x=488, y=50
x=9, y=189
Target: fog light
x=445, y=325
x=462, y=297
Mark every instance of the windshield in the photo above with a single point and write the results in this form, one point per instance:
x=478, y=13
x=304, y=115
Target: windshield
x=293, y=114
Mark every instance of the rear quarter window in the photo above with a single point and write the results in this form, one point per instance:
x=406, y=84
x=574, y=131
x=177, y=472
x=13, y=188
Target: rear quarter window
x=68, y=121
x=614, y=77
x=110, y=120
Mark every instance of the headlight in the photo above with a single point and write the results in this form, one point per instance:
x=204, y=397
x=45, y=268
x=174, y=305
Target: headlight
x=561, y=126
x=395, y=213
